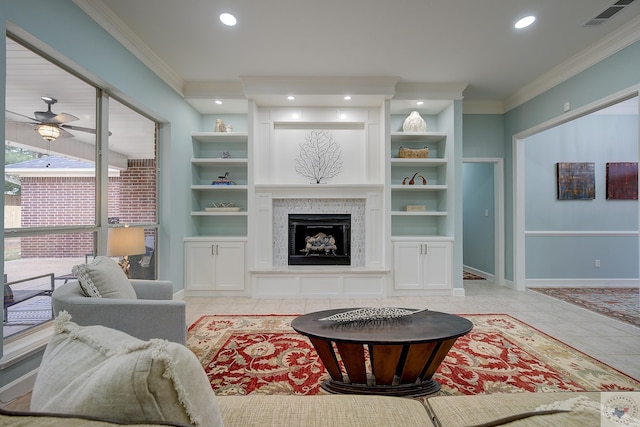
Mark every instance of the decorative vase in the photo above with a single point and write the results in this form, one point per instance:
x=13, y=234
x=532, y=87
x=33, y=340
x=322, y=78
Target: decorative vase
x=414, y=123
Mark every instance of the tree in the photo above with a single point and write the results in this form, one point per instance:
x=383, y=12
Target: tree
x=15, y=155
x=320, y=157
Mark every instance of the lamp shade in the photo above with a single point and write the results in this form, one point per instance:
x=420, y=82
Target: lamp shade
x=48, y=132
x=124, y=241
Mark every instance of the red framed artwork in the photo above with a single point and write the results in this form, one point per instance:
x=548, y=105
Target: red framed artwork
x=622, y=181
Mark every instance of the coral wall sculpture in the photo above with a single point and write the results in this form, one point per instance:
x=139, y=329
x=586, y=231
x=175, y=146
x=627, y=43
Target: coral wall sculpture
x=320, y=157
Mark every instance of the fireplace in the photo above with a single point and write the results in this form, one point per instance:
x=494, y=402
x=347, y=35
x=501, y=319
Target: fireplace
x=319, y=239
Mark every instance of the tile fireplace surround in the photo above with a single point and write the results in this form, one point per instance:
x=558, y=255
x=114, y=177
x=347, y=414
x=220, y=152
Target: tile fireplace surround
x=366, y=276
x=283, y=207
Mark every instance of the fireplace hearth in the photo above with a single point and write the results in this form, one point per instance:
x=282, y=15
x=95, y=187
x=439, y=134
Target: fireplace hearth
x=319, y=239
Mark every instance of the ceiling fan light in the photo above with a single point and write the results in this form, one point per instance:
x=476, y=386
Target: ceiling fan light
x=48, y=132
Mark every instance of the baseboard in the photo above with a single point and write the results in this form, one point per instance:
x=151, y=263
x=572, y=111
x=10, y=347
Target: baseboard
x=510, y=284
x=458, y=292
x=582, y=283
x=179, y=296
x=18, y=387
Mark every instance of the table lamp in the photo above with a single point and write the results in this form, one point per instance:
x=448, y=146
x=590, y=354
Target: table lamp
x=125, y=241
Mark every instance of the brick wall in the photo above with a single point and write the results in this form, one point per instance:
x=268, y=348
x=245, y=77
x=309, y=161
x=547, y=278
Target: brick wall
x=59, y=201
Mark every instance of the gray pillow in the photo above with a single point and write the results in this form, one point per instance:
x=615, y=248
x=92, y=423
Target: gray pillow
x=102, y=372
x=103, y=278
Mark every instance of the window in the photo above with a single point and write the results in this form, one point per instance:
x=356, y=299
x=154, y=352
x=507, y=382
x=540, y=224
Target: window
x=53, y=210
x=132, y=192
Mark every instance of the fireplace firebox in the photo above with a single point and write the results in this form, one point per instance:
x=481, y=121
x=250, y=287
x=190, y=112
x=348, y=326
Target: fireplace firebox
x=319, y=239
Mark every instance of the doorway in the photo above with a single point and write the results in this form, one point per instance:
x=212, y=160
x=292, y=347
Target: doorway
x=483, y=218
x=595, y=249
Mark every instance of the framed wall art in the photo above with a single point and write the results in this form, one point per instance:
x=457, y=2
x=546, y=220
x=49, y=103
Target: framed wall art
x=576, y=181
x=622, y=181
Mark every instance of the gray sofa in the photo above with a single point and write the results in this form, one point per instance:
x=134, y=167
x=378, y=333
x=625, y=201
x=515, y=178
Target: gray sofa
x=154, y=314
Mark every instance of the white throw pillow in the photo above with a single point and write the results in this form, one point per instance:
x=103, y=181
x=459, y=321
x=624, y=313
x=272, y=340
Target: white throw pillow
x=98, y=371
x=103, y=278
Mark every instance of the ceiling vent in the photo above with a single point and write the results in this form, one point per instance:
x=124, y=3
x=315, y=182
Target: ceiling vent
x=604, y=16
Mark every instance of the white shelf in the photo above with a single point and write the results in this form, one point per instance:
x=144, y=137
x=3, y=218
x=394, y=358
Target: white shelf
x=418, y=136
x=204, y=213
x=220, y=136
x=397, y=161
x=207, y=162
x=418, y=213
x=219, y=187
x=419, y=187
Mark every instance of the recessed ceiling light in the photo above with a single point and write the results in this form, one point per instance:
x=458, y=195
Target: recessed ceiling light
x=525, y=22
x=228, y=19
x=347, y=98
x=419, y=102
x=217, y=101
x=291, y=97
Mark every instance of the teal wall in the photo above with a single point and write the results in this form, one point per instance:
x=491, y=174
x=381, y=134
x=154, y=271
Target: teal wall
x=612, y=75
x=483, y=135
x=584, y=226
x=71, y=35
x=483, y=138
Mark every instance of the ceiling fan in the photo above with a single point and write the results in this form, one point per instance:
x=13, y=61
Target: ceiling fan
x=50, y=125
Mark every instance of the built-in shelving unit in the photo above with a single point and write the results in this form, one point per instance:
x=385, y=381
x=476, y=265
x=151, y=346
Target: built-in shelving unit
x=216, y=155
x=421, y=215
x=430, y=196
x=403, y=235
x=215, y=256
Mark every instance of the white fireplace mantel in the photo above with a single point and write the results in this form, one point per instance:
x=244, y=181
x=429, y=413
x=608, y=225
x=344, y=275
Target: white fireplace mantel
x=319, y=191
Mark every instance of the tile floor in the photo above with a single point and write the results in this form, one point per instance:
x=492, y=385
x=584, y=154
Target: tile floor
x=610, y=341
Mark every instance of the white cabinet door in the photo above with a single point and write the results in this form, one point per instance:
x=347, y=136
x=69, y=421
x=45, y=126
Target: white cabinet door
x=437, y=265
x=230, y=265
x=407, y=265
x=214, y=265
x=422, y=265
x=199, y=265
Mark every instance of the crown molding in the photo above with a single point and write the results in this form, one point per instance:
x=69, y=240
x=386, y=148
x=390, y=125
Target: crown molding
x=111, y=23
x=256, y=85
x=602, y=49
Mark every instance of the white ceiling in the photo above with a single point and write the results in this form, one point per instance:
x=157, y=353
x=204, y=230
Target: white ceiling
x=29, y=77
x=472, y=42
x=467, y=44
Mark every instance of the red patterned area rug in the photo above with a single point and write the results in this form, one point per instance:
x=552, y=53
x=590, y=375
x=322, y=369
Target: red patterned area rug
x=618, y=303
x=467, y=275
x=261, y=354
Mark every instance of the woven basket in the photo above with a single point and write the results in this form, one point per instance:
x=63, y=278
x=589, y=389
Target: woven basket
x=410, y=153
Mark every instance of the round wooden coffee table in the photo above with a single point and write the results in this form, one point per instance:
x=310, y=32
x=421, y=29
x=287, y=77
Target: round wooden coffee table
x=396, y=357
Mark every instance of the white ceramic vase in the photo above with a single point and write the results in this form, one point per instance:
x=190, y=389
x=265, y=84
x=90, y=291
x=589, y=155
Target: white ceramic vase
x=414, y=123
